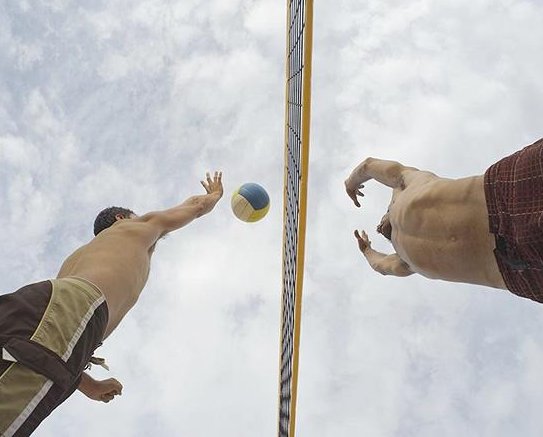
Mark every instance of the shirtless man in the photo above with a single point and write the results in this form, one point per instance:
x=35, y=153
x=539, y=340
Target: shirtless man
x=49, y=330
x=480, y=230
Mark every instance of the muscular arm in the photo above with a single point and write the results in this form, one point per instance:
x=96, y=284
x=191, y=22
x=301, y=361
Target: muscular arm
x=174, y=218
x=389, y=173
x=387, y=264
x=196, y=206
x=380, y=262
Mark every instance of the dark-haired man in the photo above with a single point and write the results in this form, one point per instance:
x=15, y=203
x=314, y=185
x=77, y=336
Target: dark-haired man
x=49, y=330
x=484, y=230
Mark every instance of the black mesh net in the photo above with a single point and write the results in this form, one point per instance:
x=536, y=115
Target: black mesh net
x=294, y=198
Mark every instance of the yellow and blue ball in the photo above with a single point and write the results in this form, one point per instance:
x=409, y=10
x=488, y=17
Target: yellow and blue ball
x=250, y=202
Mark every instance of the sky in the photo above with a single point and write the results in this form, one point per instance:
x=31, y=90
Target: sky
x=130, y=102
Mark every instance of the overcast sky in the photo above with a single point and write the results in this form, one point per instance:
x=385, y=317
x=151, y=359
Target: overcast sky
x=128, y=103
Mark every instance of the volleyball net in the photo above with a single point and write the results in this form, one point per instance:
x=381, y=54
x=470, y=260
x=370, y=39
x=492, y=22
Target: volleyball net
x=297, y=124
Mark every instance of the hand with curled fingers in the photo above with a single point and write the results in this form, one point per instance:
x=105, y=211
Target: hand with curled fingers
x=354, y=190
x=364, y=242
x=104, y=391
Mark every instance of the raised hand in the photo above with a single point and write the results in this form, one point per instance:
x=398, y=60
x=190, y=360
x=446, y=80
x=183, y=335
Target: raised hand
x=213, y=186
x=364, y=242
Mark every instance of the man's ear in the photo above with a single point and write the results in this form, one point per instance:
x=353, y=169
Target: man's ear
x=119, y=217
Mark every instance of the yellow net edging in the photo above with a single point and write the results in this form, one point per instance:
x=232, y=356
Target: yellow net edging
x=297, y=131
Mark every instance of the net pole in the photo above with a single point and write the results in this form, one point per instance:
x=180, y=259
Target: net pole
x=300, y=257
x=297, y=139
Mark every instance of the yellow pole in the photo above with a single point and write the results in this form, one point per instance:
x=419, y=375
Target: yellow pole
x=306, y=122
x=285, y=182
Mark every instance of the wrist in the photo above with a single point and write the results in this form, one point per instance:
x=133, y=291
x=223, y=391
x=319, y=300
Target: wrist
x=214, y=197
x=85, y=384
x=354, y=180
x=209, y=202
x=349, y=180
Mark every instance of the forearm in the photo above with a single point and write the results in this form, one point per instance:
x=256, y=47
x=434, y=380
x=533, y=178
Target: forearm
x=86, y=384
x=387, y=264
x=193, y=207
x=174, y=218
x=386, y=172
x=373, y=257
x=208, y=202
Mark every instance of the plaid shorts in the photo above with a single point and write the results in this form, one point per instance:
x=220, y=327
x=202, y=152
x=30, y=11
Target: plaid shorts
x=514, y=197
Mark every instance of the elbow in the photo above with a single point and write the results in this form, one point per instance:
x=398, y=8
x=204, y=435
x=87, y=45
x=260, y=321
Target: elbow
x=388, y=267
x=395, y=175
x=379, y=268
x=392, y=272
x=402, y=272
x=366, y=163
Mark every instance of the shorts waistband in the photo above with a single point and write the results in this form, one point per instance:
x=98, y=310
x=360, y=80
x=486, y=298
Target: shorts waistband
x=83, y=282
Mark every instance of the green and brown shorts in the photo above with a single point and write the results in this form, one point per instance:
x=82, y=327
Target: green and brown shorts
x=48, y=333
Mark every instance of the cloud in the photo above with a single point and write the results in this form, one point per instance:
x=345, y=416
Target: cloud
x=106, y=103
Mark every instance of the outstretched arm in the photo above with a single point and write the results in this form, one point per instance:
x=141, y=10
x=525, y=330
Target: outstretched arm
x=389, y=173
x=384, y=264
x=196, y=206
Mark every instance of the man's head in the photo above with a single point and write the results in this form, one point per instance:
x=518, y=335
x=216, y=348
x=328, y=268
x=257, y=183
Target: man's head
x=109, y=216
x=385, y=228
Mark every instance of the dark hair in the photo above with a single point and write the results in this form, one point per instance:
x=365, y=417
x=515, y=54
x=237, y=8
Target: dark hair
x=106, y=217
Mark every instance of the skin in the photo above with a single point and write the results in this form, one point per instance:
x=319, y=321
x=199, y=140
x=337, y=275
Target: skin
x=437, y=226
x=118, y=260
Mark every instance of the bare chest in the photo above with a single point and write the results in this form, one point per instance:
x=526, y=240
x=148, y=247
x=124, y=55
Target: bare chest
x=442, y=233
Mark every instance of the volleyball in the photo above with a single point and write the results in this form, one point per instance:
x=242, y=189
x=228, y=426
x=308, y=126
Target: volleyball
x=250, y=202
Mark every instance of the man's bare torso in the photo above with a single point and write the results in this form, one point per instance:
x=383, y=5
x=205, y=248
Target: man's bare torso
x=117, y=261
x=440, y=229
